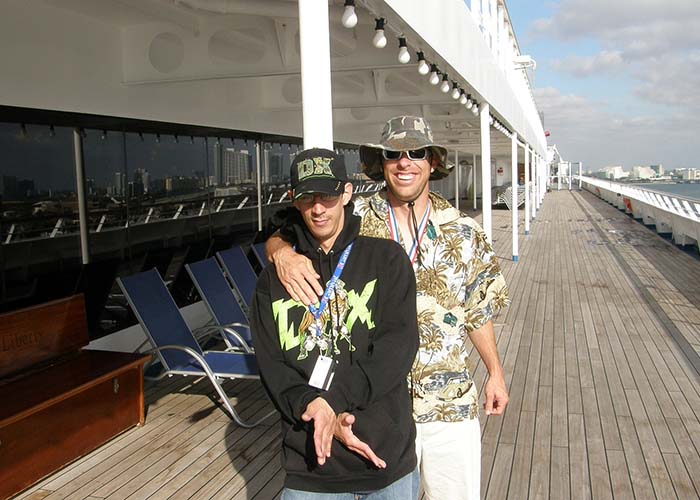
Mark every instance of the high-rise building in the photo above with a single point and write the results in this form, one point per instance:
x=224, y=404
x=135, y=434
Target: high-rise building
x=119, y=184
x=659, y=169
x=218, y=164
x=236, y=167
x=642, y=172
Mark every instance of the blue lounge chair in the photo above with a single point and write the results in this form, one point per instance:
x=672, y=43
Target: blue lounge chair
x=173, y=342
x=259, y=252
x=223, y=306
x=239, y=271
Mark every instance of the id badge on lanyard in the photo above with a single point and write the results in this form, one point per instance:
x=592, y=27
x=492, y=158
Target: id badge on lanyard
x=322, y=376
x=324, y=369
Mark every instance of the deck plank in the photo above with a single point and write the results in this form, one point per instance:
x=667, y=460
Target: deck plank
x=605, y=398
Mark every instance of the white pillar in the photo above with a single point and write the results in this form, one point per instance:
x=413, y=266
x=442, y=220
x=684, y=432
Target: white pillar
x=456, y=179
x=486, y=170
x=568, y=166
x=544, y=167
x=526, y=161
x=514, y=192
x=580, y=173
x=314, y=45
x=476, y=11
x=538, y=175
x=474, y=178
x=82, y=199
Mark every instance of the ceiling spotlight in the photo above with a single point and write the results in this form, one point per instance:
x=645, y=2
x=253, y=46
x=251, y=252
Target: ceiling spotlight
x=434, y=77
x=490, y=120
x=157, y=137
x=104, y=135
x=176, y=139
x=475, y=109
x=423, y=67
x=445, y=87
x=455, y=90
x=462, y=97
x=191, y=139
x=52, y=132
x=404, y=55
x=141, y=136
x=349, y=18
x=379, y=39
x=469, y=103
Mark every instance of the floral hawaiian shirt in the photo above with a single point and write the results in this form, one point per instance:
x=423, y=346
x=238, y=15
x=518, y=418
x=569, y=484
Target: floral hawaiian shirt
x=459, y=286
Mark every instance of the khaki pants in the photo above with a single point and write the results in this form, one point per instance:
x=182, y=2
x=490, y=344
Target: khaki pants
x=449, y=459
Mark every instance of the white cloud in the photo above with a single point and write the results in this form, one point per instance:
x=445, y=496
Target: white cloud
x=657, y=21
x=656, y=42
x=585, y=130
x=610, y=62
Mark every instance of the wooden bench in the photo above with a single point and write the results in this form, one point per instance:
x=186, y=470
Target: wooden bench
x=57, y=400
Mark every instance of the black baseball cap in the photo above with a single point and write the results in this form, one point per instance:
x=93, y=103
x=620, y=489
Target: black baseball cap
x=318, y=170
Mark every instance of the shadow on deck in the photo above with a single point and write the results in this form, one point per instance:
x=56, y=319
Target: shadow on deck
x=600, y=348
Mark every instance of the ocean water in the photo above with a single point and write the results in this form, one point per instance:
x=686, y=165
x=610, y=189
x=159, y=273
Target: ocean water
x=690, y=191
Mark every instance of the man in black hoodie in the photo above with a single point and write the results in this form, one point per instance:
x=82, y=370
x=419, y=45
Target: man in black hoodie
x=337, y=371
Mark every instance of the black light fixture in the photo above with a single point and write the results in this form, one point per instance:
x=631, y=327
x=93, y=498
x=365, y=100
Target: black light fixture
x=158, y=138
x=445, y=87
x=423, y=67
x=404, y=55
x=379, y=39
x=349, y=18
x=434, y=78
x=469, y=102
x=52, y=132
x=455, y=90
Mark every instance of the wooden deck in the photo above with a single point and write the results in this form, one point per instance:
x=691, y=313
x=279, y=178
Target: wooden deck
x=600, y=347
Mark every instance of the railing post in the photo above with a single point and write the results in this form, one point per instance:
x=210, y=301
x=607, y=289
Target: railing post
x=486, y=171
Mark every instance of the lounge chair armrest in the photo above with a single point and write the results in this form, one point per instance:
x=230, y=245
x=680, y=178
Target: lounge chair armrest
x=200, y=359
x=239, y=338
x=233, y=325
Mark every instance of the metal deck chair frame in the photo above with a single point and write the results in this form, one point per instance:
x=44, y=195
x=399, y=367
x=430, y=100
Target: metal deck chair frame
x=152, y=304
x=238, y=269
x=221, y=302
x=259, y=252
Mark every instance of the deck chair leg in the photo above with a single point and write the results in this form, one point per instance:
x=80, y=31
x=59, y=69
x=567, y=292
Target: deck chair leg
x=233, y=413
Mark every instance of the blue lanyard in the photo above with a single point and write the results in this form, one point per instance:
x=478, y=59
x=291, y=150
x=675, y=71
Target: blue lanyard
x=317, y=311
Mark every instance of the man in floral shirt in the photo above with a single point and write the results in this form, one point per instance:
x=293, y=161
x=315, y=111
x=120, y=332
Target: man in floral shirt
x=459, y=287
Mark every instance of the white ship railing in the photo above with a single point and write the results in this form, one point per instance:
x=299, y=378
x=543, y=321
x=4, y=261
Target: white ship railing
x=669, y=213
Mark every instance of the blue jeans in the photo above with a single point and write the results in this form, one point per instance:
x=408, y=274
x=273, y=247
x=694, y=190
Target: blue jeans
x=405, y=488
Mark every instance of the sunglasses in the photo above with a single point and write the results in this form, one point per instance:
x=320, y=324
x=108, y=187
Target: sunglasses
x=310, y=197
x=411, y=154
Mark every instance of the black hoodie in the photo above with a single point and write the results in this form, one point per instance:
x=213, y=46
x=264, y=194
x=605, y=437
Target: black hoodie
x=377, y=307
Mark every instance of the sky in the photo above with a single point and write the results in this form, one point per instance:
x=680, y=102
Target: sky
x=618, y=80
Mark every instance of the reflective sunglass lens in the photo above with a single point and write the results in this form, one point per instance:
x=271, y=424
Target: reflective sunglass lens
x=412, y=154
x=391, y=155
x=416, y=154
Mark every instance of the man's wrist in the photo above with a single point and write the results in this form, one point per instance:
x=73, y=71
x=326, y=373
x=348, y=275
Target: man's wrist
x=280, y=253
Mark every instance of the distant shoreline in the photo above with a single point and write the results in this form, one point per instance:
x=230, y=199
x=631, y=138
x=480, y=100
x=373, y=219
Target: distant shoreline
x=689, y=189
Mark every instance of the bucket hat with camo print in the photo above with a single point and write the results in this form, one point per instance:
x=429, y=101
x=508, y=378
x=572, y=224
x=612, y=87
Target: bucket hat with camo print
x=403, y=133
